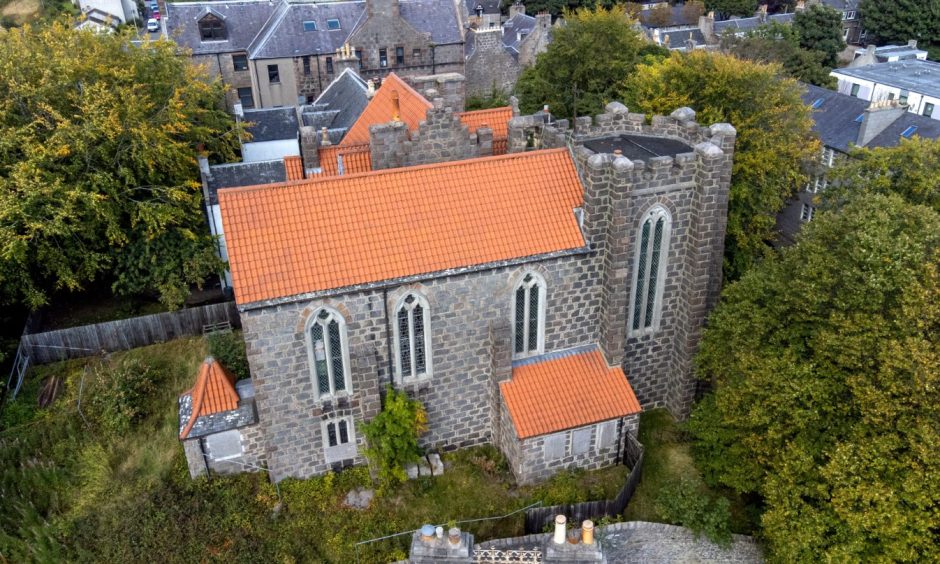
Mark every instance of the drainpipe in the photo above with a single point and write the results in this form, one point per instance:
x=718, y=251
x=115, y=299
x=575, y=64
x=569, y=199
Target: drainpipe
x=388, y=333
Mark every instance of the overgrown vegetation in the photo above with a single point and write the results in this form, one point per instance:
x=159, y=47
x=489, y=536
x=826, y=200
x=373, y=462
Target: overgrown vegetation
x=495, y=98
x=685, y=503
x=228, y=348
x=393, y=434
x=74, y=492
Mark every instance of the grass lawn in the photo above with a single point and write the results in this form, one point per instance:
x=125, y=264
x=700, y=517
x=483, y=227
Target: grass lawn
x=668, y=459
x=97, y=491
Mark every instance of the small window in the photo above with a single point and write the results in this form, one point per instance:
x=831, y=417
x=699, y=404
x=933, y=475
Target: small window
x=806, y=213
x=274, y=74
x=339, y=439
x=412, y=338
x=529, y=316
x=306, y=63
x=332, y=24
x=555, y=446
x=891, y=95
x=828, y=155
x=211, y=28
x=225, y=445
x=855, y=88
x=415, y=54
x=240, y=62
x=329, y=65
x=245, y=98
x=399, y=56
x=907, y=133
x=860, y=118
x=903, y=98
x=310, y=25
x=359, y=56
x=928, y=110
x=383, y=58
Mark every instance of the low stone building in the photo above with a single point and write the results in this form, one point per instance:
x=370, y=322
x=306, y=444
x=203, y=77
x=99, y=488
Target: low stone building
x=218, y=423
x=453, y=279
x=496, y=56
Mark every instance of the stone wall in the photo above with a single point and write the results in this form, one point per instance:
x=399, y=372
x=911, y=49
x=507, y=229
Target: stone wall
x=537, y=41
x=252, y=459
x=221, y=65
x=490, y=65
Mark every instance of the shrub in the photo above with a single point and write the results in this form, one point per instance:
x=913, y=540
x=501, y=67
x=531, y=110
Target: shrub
x=393, y=435
x=120, y=393
x=684, y=503
x=229, y=349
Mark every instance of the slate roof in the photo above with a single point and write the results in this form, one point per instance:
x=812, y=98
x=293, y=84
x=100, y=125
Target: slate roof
x=741, y=25
x=678, y=18
x=338, y=106
x=236, y=175
x=519, y=24
x=489, y=6
x=436, y=17
x=243, y=19
x=913, y=75
x=834, y=119
x=927, y=128
x=678, y=37
x=399, y=222
x=272, y=124
x=213, y=404
x=564, y=390
x=842, y=5
x=284, y=36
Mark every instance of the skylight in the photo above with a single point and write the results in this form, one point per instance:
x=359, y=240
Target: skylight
x=860, y=118
x=332, y=24
x=310, y=26
x=909, y=131
x=817, y=103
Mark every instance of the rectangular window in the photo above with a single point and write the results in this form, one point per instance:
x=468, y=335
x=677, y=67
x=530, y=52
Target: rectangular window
x=415, y=54
x=310, y=26
x=240, y=62
x=855, y=88
x=332, y=24
x=828, y=155
x=306, y=65
x=329, y=65
x=806, y=213
x=903, y=97
x=274, y=74
x=399, y=56
x=245, y=98
x=555, y=446
x=359, y=56
x=383, y=58
x=339, y=439
x=891, y=95
x=928, y=110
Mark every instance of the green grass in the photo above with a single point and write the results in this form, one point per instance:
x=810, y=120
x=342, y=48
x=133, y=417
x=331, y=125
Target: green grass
x=667, y=460
x=75, y=492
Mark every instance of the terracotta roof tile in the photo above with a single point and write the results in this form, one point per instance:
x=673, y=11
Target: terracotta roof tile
x=214, y=392
x=412, y=106
x=294, y=168
x=293, y=238
x=564, y=391
x=356, y=158
x=496, y=119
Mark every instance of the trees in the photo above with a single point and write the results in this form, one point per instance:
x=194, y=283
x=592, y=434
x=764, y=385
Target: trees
x=898, y=21
x=732, y=7
x=827, y=393
x=97, y=164
x=779, y=43
x=819, y=28
x=773, y=139
x=692, y=10
x=584, y=64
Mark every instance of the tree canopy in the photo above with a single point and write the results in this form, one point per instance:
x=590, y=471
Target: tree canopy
x=898, y=21
x=819, y=29
x=585, y=63
x=730, y=8
x=774, y=134
x=98, y=138
x=778, y=43
x=827, y=394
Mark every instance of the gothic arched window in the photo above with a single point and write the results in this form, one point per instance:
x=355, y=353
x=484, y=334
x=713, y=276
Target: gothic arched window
x=529, y=316
x=412, y=337
x=329, y=356
x=650, y=270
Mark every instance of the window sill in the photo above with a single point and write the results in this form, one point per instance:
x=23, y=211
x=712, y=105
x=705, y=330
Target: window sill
x=415, y=383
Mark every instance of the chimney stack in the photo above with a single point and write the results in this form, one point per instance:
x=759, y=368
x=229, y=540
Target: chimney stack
x=429, y=548
x=878, y=116
x=345, y=59
x=516, y=9
x=396, y=107
x=912, y=43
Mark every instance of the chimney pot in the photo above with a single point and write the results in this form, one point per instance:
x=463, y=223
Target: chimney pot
x=453, y=535
x=439, y=532
x=427, y=533
x=912, y=43
x=587, y=532
x=559, y=536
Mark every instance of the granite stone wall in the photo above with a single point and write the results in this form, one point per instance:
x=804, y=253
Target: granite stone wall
x=490, y=65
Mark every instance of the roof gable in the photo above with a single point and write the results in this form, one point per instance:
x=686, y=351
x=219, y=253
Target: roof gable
x=214, y=392
x=413, y=108
x=288, y=240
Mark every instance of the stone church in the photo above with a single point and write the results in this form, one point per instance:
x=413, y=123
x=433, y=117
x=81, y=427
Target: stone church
x=536, y=300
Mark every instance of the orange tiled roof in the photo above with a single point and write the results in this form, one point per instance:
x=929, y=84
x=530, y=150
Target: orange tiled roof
x=294, y=168
x=567, y=391
x=413, y=109
x=496, y=119
x=356, y=158
x=293, y=238
x=214, y=392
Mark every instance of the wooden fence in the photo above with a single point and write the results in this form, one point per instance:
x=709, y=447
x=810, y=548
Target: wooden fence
x=538, y=518
x=124, y=334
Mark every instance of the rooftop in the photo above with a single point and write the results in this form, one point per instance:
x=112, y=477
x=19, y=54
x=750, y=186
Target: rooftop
x=412, y=108
x=910, y=124
x=289, y=240
x=271, y=124
x=564, y=390
x=339, y=106
x=234, y=175
x=913, y=75
x=737, y=25
x=639, y=147
x=835, y=116
x=214, y=392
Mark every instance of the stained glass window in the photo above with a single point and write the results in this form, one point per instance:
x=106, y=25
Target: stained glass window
x=412, y=340
x=326, y=337
x=651, y=254
x=528, y=315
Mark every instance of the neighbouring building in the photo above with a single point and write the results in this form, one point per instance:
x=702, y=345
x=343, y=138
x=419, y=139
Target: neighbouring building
x=914, y=83
x=273, y=134
x=714, y=30
x=482, y=14
x=284, y=53
x=488, y=288
x=888, y=54
x=852, y=31
x=107, y=14
x=218, y=423
x=843, y=123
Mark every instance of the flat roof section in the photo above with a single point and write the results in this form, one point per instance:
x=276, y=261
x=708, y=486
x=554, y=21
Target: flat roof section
x=638, y=147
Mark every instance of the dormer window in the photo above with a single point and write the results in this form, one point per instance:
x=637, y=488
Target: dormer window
x=211, y=28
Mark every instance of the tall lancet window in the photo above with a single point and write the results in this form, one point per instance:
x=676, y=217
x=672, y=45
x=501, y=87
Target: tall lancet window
x=413, y=337
x=529, y=316
x=652, y=250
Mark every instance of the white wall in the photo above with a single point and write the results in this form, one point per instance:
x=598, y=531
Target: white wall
x=270, y=150
x=872, y=91
x=215, y=226
x=113, y=7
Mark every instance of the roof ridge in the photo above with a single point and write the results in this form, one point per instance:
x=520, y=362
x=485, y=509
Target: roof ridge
x=391, y=171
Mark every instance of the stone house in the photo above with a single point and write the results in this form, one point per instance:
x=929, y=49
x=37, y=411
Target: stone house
x=473, y=283
x=285, y=53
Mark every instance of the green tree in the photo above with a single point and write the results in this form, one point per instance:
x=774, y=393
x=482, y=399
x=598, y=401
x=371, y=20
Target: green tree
x=819, y=29
x=774, y=135
x=730, y=8
x=911, y=170
x=826, y=397
x=97, y=164
x=778, y=43
x=586, y=61
x=898, y=21
x=393, y=434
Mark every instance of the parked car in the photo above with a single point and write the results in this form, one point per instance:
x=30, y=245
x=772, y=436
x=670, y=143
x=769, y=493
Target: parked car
x=153, y=25
x=156, y=15
x=154, y=6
